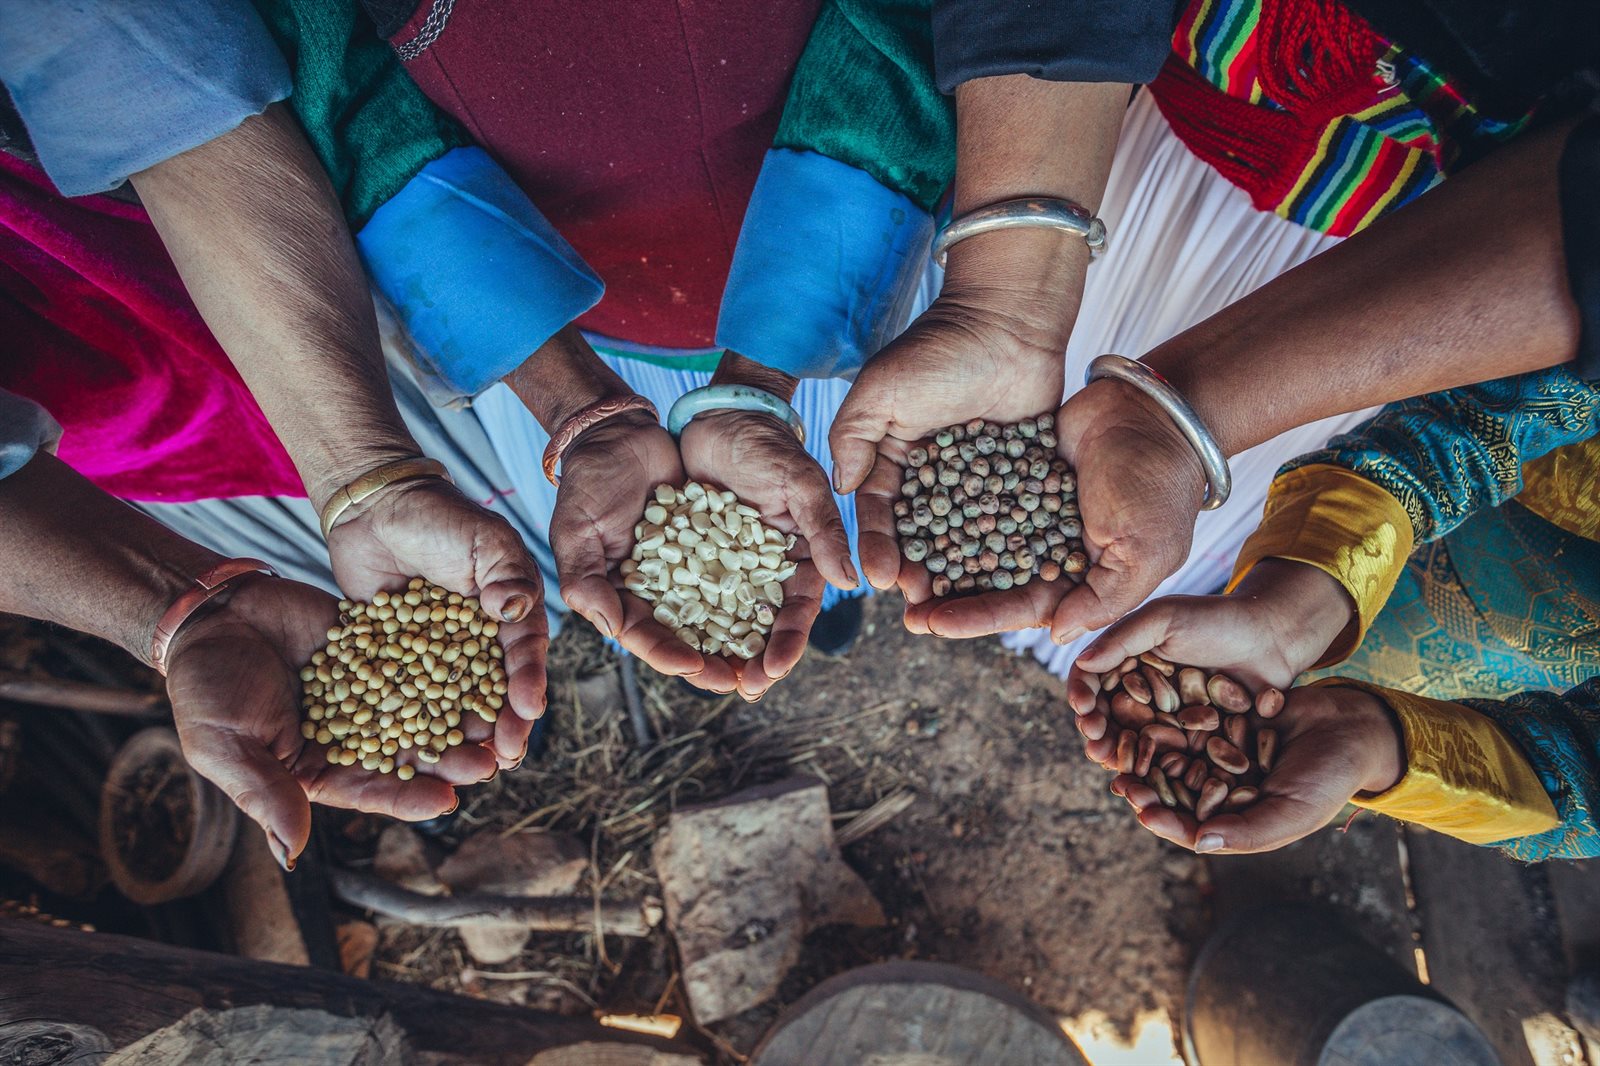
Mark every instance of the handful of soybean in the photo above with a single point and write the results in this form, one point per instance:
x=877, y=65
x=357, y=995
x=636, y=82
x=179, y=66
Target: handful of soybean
x=398, y=675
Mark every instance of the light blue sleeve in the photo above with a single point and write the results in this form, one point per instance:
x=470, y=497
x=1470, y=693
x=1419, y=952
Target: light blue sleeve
x=477, y=274
x=110, y=87
x=25, y=427
x=825, y=269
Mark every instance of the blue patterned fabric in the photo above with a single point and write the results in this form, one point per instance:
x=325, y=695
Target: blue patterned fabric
x=1448, y=455
x=1560, y=734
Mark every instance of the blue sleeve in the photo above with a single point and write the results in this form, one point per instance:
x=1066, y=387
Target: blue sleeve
x=825, y=269
x=110, y=87
x=1447, y=455
x=477, y=274
x=24, y=429
x=1560, y=735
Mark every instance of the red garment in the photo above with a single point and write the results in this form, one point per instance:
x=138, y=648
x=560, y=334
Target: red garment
x=97, y=328
x=637, y=127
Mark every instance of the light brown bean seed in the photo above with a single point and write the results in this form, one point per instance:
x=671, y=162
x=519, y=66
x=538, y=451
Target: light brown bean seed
x=1136, y=686
x=1203, y=718
x=1237, y=730
x=1269, y=703
x=1266, y=749
x=1228, y=694
x=1212, y=795
x=1192, y=686
x=1226, y=756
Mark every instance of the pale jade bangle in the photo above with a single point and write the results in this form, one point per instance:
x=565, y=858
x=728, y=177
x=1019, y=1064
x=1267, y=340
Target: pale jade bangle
x=697, y=402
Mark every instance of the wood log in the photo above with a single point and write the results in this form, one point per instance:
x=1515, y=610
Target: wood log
x=573, y=915
x=129, y=988
x=81, y=696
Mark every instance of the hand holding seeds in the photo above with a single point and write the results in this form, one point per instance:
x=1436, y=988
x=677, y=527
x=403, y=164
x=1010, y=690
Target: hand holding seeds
x=403, y=680
x=962, y=359
x=236, y=704
x=429, y=528
x=1332, y=743
x=713, y=573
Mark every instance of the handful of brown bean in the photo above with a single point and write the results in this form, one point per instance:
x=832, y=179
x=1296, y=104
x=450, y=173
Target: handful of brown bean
x=398, y=674
x=986, y=506
x=1198, y=738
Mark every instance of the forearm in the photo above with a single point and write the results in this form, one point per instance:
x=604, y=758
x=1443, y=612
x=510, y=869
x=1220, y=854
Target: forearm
x=257, y=234
x=1464, y=285
x=75, y=556
x=562, y=378
x=1019, y=137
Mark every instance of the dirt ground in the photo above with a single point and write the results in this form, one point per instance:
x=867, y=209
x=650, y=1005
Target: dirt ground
x=1012, y=858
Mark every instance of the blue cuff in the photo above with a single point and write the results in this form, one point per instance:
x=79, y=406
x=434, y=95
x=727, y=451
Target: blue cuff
x=24, y=429
x=478, y=276
x=110, y=87
x=826, y=267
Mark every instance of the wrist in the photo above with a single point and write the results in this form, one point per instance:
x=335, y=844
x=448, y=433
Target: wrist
x=1303, y=603
x=1238, y=414
x=1383, y=746
x=1029, y=279
x=735, y=369
x=337, y=471
x=562, y=378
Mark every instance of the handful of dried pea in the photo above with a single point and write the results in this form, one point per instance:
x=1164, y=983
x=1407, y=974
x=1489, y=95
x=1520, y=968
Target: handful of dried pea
x=398, y=674
x=985, y=506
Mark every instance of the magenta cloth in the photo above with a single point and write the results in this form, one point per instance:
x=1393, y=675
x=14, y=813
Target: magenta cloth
x=98, y=328
x=637, y=126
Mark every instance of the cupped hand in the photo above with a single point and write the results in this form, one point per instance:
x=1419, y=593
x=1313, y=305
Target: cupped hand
x=963, y=358
x=1335, y=742
x=1140, y=487
x=607, y=476
x=233, y=679
x=428, y=528
x=761, y=461
x=1277, y=624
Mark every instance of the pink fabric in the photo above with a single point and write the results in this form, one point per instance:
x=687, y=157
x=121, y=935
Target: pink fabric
x=96, y=326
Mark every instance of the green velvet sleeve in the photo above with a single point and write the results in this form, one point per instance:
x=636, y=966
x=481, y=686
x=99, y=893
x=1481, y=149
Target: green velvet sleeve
x=367, y=121
x=864, y=94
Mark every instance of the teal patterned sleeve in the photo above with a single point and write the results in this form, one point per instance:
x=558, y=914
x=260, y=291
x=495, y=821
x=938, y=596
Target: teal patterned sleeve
x=1560, y=735
x=1448, y=455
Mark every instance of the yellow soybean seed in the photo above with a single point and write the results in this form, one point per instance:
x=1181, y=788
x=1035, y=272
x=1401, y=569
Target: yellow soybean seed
x=406, y=772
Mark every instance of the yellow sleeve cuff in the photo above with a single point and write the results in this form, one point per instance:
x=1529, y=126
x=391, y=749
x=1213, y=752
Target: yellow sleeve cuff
x=1560, y=488
x=1464, y=777
x=1342, y=524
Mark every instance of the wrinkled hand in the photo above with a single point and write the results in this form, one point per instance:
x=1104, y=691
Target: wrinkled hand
x=234, y=682
x=1335, y=742
x=1277, y=624
x=759, y=459
x=960, y=360
x=427, y=528
x=1140, y=487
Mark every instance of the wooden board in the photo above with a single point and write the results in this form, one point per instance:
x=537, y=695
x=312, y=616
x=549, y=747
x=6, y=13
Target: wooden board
x=129, y=988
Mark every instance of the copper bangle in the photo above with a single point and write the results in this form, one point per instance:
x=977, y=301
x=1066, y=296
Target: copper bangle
x=207, y=585
x=375, y=480
x=585, y=420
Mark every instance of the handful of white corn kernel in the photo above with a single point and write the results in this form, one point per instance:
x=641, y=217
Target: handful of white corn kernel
x=713, y=571
x=398, y=674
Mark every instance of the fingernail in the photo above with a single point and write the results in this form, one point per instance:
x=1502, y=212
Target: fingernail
x=603, y=624
x=280, y=852
x=850, y=572
x=838, y=480
x=1209, y=842
x=450, y=809
x=516, y=608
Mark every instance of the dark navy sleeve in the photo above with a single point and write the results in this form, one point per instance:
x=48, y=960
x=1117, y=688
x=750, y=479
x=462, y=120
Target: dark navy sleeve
x=1580, y=226
x=1058, y=40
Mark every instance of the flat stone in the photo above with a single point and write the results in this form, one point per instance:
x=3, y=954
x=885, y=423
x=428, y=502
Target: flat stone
x=744, y=881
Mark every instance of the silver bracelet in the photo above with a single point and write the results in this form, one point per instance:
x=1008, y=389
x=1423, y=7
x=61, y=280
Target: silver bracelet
x=1219, y=481
x=1018, y=214
x=697, y=402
